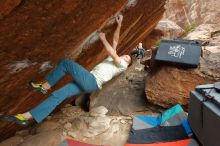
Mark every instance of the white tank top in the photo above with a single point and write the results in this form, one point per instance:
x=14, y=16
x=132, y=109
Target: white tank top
x=107, y=69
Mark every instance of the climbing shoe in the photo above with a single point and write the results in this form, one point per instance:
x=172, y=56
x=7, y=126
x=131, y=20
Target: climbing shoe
x=18, y=119
x=38, y=87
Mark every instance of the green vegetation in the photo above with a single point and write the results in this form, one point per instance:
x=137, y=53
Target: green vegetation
x=157, y=43
x=188, y=28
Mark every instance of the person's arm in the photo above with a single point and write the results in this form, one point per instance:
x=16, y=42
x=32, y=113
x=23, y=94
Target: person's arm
x=119, y=19
x=111, y=52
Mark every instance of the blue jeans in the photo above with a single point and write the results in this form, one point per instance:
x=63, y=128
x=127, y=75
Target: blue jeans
x=83, y=82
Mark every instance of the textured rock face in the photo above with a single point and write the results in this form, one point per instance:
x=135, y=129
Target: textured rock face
x=184, y=12
x=170, y=29
x=35, y=35
x=7, y=6
x=210, y=62
x=171, y=85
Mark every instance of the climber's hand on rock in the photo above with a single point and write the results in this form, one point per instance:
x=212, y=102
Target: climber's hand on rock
x=119, y=19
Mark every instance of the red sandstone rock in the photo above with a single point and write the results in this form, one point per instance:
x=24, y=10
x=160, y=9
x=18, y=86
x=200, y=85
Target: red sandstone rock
x=7, y=6
x=170, y=85
x=37, y=34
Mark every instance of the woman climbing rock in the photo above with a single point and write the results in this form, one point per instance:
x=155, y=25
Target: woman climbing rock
x=83, y=80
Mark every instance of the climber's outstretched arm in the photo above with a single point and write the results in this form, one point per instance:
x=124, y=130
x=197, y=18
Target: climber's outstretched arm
x=119, y=19
x=111, y=52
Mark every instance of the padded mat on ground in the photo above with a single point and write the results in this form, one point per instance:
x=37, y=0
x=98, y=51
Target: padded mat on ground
x=171, y=117
x=71, y=142
x=157, y=134
x=186, y=142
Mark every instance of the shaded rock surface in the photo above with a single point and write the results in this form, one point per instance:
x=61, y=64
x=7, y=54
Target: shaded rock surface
x=169, y=85
x=35, y=35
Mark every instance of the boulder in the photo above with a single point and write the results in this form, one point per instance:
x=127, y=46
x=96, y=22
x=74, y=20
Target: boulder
x=169, y=85
x=35, y=35
x=170, y=29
